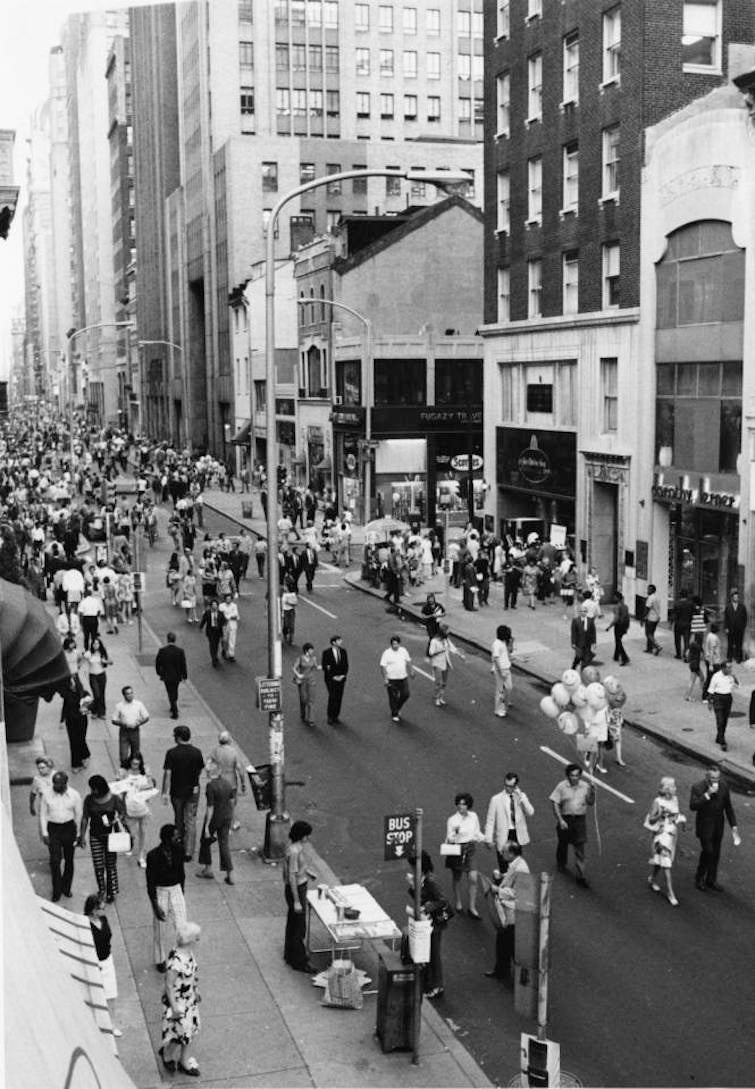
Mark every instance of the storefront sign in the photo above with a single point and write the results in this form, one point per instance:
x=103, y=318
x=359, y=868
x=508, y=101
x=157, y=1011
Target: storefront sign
x=537, y=461
x=534, y=464
x=461, y=462
x=700, y=496
x=414, y=419
x=348, y=418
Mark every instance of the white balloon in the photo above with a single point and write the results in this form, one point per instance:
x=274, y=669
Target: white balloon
x=586, y=713
x=570, y=680
x=596, y=695
x=568, y=722
x=549, y=707
x=611, y=684
x=560, y=694
x=579, y=696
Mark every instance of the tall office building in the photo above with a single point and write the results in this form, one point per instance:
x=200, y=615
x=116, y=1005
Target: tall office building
x=573, y=88
x=274, y=94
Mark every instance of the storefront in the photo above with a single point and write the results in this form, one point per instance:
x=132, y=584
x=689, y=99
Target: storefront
x=537, y=479
x=348, y=434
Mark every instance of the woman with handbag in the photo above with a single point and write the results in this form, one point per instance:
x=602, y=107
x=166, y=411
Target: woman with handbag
x=76, y=704
x=435, y=907
x=137, y=787
x=664, y=821
x=105, y=816
x=97, y=659
x=463, y=831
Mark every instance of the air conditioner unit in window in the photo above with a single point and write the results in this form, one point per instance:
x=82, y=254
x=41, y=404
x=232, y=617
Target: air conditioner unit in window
x=338, y=400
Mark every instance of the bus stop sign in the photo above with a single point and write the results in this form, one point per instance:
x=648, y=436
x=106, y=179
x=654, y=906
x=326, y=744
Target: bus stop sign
x=398, y=838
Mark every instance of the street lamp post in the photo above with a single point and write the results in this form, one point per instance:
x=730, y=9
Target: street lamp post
x=276, y=832
x=184, y=384
x=70, y=337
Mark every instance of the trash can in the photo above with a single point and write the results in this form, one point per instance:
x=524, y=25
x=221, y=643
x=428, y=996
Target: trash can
x=260, y=780
x=395, y=1008
x=246, y=508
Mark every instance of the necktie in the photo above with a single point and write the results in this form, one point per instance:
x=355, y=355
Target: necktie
x=513, y=810
x=335, y=655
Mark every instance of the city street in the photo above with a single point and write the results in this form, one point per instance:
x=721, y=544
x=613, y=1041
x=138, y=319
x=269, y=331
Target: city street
x=631, y=975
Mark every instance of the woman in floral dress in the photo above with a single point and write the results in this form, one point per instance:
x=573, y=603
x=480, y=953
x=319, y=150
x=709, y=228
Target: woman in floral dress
x=180, y=1020
x=664, y=821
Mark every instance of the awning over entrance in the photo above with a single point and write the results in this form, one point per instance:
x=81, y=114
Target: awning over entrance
x=241, y=438
x=325, y=465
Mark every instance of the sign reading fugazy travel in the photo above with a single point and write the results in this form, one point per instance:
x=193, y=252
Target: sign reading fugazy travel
x=398, y=835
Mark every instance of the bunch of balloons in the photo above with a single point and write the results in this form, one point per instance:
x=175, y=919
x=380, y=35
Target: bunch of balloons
x=580, y=705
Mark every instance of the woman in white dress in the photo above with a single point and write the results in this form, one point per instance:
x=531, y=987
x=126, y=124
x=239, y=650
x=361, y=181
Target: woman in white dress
x=463, y=828
x=664, y=821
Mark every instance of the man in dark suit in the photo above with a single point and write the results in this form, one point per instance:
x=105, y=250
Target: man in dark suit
x=735, y=625
x=335, y=667
x=710, y=801
x=307, y=564
x=683, y=609
x=170, y=666
x=583, y=638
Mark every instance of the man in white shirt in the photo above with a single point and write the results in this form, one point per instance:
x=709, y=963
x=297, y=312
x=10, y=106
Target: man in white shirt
x=90, y=610
x=130, y=714
x=59, y=819
x=721, y=693
x=396, y=666
x=506, y=907
x=507, y=817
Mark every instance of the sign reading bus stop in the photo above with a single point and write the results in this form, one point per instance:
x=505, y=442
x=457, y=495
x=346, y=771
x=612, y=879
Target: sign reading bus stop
x=398, y=835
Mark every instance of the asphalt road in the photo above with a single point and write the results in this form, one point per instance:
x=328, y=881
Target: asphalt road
x=641, y=994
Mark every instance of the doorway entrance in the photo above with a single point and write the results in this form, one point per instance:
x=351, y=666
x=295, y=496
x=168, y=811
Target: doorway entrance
x=605, y=510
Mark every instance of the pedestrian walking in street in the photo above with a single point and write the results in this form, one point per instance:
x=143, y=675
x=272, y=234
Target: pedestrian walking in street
x=97, y=659
x=570, y=799
x=683, y=609
x=109, y=593
x=230, y=611
x=74, y=713
x=226, y=756
x=102, y=936
x=440, y=652
x=212, y=623
x=694, y=658
x=463, y=830
x=129, y=716
x=165, y=888
x=60, y=815
x=583, y=638
x=506, y=821
x=296, y=875
x=335, y=668
x=103, y=813
x=735, y=626
x=432, y=614
x=664, y=821
x=620, y=625
x=90, y=610
x=304, y=670
x=189, y=597
x=180, y=1019
x=710, y=801
x=218, y=818
x=170, y=666
x=260, y=551
x=289, y=601
x=713, y=654
x=501, y=652
x=721, y=695
x=182, y=767
x=308, y=564
x=435, y=908
x=652, y=617
x=512, y=577
x=137, y=787
x=503, y=891
x=396, y=666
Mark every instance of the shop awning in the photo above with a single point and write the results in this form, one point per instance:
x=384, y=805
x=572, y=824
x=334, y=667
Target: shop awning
x=325, y=465
x=241, y=438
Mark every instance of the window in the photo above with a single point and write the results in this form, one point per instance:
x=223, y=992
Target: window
x=245, y=11
x=570, y=270
x=298, y=12
x=458, y=381
x=331, y=58
x=503, y=99
x=386, y=107
x=269, y=177
x=299, y=102
x=281, y=55
x=464, y=24
x=331, y=222
x=362, y=16
x=349, y=381
x=534, y=189
x=570, y=197
x=465, y=110
x=433, y=108
x=504, y=294
x=246, y=54
x=281, y=11
x=534, y=288
x=410, y=107
x=609, y=383
x=469, y=191
x=478, y=69
x=246, y=104
x=400, y=381
x=410, y=63
x=539, y=397
x=503, y=221
x=700, y=278
x=306, y=173
x=502, y=21
x=393, y=185
x=298, y=58
x=611, y=163
x=386, y=62
x=314, y=13
x=330, y=9
x=333, y=103
x=535, y=87
x=571, y=68
x=417, y=187
x=410, y=20
x=315, y=104
x=363, y=62
x=333, y=188
x=611, y=45
x=701, y=35
x=363, y=104
x=260, y=394
x=611, y=271
x=465, y=66
x=315, y=58
x=385, y=18
x=534, y=8
x=432, y=21
x=566, y=393
x=282, y=101
x=433, y=65
x=359, y=185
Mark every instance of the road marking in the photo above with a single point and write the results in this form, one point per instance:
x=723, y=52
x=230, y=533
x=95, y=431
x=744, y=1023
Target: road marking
x=306, y=601
x=592, y=779
x=424, y=674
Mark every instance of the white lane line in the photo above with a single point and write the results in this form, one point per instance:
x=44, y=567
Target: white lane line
x=306, y=601
x=423, y=672
x=597, y=782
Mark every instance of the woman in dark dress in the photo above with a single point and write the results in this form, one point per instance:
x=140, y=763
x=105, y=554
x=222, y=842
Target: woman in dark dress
x=76, y=703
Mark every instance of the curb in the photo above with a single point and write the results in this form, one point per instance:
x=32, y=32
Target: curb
x=742, y=778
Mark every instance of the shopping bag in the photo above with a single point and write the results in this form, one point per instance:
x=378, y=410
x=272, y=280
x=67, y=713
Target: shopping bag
x=118, y=841
x=342, y=987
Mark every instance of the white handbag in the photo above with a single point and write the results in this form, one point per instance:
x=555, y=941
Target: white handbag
x=450, y=849
x=119, y=842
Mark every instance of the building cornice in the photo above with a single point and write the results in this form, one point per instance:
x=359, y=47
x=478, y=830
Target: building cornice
x=628, y=316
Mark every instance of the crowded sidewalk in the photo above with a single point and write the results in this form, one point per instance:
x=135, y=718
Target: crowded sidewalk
x=262, y=1024
x=655, y=685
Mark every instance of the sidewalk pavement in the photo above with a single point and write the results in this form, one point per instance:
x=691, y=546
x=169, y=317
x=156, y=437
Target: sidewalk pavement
x=262, y=1023
x=655, y=686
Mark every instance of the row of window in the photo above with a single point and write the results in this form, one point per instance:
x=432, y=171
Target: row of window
x=610, y=295
x=298, y=102
x=387, y=106
x=550, y=389
x=308, y=173
x=468, y=23
x=300, y=57
x=312, y=13
x=472, y=66
x=569, y=181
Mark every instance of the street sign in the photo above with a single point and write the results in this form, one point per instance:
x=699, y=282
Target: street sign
x=269, y=694
x=398, y=835
x=140, y=582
